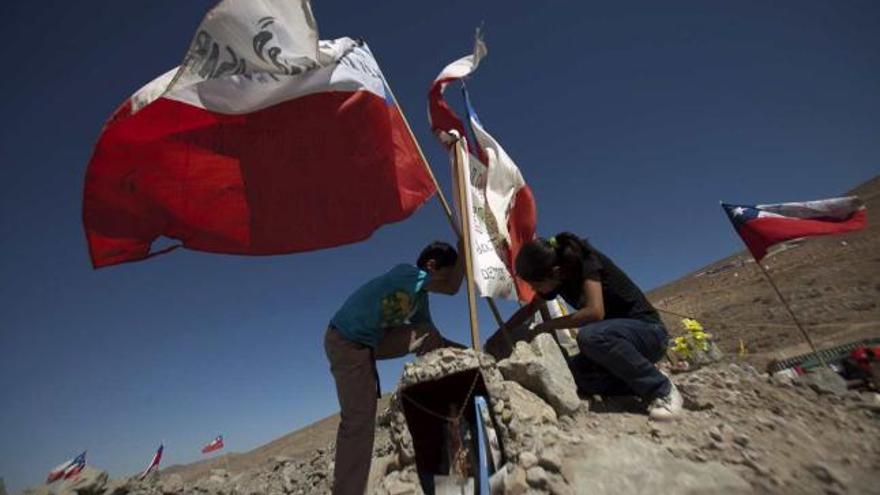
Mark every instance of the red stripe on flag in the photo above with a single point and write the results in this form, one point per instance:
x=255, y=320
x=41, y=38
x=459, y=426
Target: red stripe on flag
x=521, y=224
x=314, y=172
x=762, y=232
x=217, y=444
x=441, y=116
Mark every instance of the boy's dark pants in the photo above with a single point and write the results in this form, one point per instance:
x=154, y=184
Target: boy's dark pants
x=617, y=358
x=353, y=366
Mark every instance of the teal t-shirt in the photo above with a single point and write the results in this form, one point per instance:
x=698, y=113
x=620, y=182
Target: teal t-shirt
x=395, y=298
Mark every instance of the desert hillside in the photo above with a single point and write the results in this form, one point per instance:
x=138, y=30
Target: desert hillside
x=832, y=283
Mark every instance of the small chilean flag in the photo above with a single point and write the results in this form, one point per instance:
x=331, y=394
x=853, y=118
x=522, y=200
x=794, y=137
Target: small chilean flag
x=67, y=469
x=762, y=226
x=216, y=444
x=154, y=464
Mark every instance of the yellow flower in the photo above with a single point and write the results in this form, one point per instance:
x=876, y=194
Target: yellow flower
x=691, y=324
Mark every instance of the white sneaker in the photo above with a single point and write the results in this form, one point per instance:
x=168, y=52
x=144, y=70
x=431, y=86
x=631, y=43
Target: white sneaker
x=668, y=407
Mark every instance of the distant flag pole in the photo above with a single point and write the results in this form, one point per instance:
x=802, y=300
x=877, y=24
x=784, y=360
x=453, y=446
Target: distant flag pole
x=214, y=445
x=154, y=462
x=440, y=195
x=762, y=226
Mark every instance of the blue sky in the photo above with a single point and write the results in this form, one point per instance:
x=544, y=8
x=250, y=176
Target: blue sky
x=629, y=121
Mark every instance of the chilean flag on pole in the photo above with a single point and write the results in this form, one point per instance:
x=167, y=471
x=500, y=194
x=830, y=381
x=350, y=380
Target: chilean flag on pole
x=264, y=141
x=762, y=226
x=215, y=444
x=154, y=463
x=67, y=469
x=508, y=198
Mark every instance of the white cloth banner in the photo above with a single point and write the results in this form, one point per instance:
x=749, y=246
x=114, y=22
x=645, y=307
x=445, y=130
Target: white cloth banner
x=491, y=276
x=245, y=40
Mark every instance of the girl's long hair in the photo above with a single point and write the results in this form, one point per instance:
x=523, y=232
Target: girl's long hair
x=537, y=257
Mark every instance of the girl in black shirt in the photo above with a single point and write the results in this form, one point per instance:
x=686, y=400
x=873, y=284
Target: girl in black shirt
x=621, y=335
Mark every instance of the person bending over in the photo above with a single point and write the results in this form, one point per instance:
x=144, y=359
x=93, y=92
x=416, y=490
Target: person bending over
x=385, y=318
x=621, y=336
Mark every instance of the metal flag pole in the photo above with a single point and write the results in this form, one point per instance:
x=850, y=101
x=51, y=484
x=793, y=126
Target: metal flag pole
x=780, y=296
x=791, y=313
x=461, y=179
x=442, y=197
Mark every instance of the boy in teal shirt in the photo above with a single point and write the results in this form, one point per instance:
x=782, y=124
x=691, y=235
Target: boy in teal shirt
x=385, y=318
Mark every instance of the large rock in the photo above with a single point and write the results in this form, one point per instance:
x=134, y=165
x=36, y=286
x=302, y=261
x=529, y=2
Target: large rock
x=635, y=466
x=824, y=381
x=527, y=406
x=541, y=368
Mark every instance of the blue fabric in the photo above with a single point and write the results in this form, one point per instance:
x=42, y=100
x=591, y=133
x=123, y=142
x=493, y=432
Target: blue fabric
x=393, y=299
x=617, y=358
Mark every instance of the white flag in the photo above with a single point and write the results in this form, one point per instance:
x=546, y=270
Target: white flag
x=491, y=276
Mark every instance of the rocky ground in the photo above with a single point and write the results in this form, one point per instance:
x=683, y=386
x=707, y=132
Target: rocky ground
x=742, y=432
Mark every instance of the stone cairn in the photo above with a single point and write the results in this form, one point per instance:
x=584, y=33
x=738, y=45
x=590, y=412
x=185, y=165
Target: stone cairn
x=529, y=393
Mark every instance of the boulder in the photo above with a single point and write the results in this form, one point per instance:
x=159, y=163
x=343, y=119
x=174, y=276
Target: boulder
x=824, y=381
x=541, y=368
x=527, y=406
x=636, y=466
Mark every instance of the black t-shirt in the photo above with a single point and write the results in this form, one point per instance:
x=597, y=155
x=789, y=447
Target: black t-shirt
x=622, y=297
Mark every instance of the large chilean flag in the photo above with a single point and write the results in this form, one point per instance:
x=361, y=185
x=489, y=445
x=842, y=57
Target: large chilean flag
x=264, y=141
x=762, y=226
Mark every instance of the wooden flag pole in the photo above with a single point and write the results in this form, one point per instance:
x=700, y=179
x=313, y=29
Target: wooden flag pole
x=445, y=204
x=791, y=313
x=440, y=195
x=466, y=237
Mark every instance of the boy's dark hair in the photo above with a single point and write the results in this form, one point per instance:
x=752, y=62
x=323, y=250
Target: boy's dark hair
x=442, y=253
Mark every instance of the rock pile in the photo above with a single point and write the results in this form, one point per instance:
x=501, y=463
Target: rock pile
x=527, y=425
